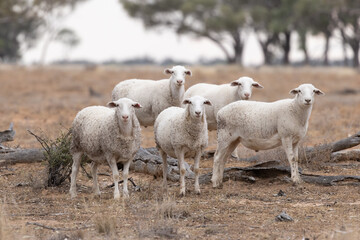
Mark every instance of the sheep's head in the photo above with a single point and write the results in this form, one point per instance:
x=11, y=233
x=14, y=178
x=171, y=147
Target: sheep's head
x=245, y=85
x=196, y=106
x=178, y=74
x=124, y=108
x=305, y=93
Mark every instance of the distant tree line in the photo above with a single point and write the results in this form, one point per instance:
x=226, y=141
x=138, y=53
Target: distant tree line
x=274, y=22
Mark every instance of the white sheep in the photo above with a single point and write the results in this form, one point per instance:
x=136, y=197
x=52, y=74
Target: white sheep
x=222, y=95
x=106, y=135
x=261, y=126
x=182, y=132
x=154, y=96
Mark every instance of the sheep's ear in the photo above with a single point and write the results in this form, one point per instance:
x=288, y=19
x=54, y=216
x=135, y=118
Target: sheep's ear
x=318, y=92
x=188, y=72
x=257, y=85
x=207, y=102
x=295, y=91
x=136, y=105
x=187, y=101
x=168, y=71
x=235, y=83
x=111, y=104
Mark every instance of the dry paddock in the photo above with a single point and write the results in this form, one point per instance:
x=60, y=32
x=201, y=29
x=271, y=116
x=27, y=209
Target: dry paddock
x=46, y=100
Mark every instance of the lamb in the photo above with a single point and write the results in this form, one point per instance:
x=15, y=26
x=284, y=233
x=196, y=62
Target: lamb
x=261, y=126
x=222, y=95
x=154, y=96
x=182, y=132
x=106, y=134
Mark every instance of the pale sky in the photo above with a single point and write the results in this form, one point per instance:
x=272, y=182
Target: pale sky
x=106, y=32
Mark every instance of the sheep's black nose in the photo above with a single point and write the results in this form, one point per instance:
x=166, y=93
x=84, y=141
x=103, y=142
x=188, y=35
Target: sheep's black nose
x=197, y=113
x=308, y=100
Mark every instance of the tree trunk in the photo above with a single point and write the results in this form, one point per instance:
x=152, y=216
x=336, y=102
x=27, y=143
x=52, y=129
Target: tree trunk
x=346, y=60
x=326, y=49
x=286, y=47
x=303, y=45
x=355, y=47
x=238, y=48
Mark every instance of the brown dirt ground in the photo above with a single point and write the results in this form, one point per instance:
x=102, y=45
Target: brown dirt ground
x=46, y=100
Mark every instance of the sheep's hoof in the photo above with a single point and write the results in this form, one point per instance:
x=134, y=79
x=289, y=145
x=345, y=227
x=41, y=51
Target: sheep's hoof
x=182, y=193
x=116, y=196
x=198, y=192
x=297, y=182
x=73, y=195
x=97, y=193
x=217, y=184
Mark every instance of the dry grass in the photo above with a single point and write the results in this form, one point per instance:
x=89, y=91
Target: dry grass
x=48, y=99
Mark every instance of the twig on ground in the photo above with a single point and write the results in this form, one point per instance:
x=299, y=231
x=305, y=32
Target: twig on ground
x=54, y=228
x=7, y=174
x=121, y=181
x=87, y=174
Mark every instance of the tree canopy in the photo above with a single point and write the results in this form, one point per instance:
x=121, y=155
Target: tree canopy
x=21, y=22
x=228, y=22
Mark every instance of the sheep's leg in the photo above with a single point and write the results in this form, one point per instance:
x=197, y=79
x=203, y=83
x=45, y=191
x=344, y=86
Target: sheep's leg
x=180, y=157
x=165, y=168
x=94, y=168
x=197, y=171
x=296, y=162
x=125, y=178
x=288, y=147
x=115, y=172
x=75, y=169
x=222, y=153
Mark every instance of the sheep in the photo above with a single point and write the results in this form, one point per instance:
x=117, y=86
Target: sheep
x=106, y=134
x=182, y=132
x=154, y=96
x=222, y=95
x=262, y=125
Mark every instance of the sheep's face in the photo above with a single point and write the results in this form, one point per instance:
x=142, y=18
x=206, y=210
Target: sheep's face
x=196, y=106
x=305, y=94
x=178, y=74
x=245, y=85
x=125, y=109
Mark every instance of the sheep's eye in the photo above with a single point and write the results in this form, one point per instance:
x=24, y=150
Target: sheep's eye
x=299, y=91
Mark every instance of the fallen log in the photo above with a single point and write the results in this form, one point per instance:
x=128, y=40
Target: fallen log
x=348, y=155
x=12, y=156
x=146, y=161
x=274, y=169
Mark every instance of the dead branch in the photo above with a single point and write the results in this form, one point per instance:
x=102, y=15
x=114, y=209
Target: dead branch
x=21, y=156
x=121, y=181
x=7, y=135
x=348, y=155
x=54, y=228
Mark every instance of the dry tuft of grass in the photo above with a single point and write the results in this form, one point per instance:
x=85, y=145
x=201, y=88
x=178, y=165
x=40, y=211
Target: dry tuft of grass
x=166, y=209
x=105, y=224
